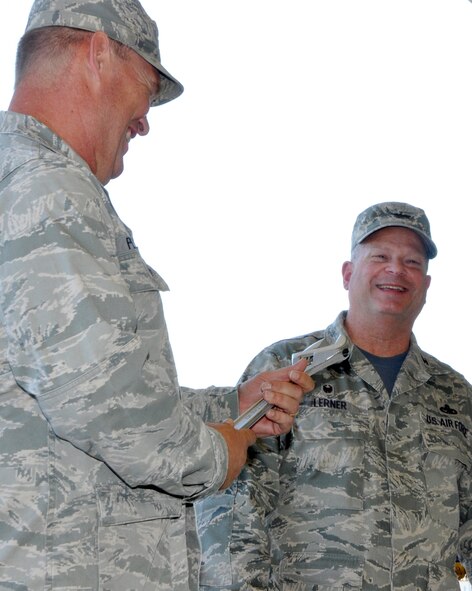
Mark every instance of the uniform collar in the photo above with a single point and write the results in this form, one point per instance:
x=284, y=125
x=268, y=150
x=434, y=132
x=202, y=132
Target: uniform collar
x=28, y=126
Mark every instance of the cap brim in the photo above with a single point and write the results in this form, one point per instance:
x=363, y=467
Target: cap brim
x=430, y=247
x=169, y=88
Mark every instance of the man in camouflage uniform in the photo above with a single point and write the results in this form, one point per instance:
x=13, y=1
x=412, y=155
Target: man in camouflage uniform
x=101, y=452
x=372, y=489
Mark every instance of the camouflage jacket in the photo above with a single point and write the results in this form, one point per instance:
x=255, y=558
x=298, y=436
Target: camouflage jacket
x=367, y=492
x=100, y=456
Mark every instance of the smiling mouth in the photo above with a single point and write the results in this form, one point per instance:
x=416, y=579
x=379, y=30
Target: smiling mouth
x=129, y=135
x=396, y=288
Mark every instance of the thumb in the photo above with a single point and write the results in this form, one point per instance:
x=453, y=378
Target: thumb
x=300, y=365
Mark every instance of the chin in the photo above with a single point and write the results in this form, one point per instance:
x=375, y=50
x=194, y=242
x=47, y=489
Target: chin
x=117, y=171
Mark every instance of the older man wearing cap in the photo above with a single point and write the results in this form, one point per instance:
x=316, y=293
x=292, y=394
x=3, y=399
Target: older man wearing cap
x=101, y=452
x=372, y=489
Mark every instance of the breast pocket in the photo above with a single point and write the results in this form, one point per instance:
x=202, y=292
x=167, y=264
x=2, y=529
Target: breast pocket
x=447, y=457
x=329, y=446
x=145, y=286
x=133, y=540
x=138, y=275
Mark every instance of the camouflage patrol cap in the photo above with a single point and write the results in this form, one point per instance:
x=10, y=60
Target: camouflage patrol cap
x=122, y=20
x=393, y=213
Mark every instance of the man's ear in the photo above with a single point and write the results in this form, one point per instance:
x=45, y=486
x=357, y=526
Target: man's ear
x=346, y=272
x=99, y=52
x=427, y=281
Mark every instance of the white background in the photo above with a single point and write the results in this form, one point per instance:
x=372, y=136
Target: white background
x=296, y=115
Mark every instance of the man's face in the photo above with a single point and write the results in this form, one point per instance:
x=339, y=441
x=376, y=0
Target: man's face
x=388, y=275
x=134, y=85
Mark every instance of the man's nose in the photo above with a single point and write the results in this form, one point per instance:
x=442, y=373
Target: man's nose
x=396, y=266
x=143, y=126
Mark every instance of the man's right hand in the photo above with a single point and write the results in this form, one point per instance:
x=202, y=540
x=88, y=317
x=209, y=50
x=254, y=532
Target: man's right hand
x=237, y=443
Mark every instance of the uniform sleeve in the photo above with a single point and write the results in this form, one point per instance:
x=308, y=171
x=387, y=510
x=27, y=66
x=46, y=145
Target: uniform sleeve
x=87, y=337
x=213, y=404
x=232, y=524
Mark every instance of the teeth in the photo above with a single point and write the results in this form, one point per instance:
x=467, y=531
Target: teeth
x=392, y=287
x=128, y=135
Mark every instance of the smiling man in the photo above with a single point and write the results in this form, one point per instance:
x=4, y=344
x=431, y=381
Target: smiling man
x=372, y=489
x=101, y=452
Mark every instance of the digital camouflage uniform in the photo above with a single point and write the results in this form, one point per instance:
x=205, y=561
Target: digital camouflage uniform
x=99, y=457
x=368, y=492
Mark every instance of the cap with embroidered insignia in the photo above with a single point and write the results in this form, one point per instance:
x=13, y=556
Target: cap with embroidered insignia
x=393, y=213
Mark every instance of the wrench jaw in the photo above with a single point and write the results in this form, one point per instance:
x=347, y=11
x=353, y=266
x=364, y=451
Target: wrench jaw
x=319, y=357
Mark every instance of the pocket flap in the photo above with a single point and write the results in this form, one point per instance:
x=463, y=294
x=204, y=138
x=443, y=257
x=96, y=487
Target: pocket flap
x=118, y=505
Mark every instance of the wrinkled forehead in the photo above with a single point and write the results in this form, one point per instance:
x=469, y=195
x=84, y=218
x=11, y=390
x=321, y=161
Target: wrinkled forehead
x=396, y=236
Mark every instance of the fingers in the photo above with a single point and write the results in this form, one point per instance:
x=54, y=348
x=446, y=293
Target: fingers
x=283, y=388
x=279, y=422
x=298, y=376
x=286, y=396
x=293, y=374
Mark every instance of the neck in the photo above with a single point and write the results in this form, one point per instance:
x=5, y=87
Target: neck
x=385, y=337
x=61, y=113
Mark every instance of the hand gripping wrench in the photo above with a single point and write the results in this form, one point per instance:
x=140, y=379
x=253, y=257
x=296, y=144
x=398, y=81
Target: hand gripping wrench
x=319, y=357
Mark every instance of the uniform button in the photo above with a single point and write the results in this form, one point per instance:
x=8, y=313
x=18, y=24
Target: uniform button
x=328, y=388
